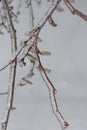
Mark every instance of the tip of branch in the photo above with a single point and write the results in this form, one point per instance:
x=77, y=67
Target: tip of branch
x=66, y=125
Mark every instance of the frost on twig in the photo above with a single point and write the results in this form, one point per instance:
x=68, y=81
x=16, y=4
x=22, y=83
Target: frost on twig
x=29, y=49
x=26, y=79
x=74, y=11
x=15, y=55
x=52, y=93
x=13, y=65
x=37, y=52
x=53, y=103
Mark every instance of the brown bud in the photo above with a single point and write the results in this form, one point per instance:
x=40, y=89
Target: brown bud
x=39, y=39
x=29, y=56
x=47, y=53
x=22, y=63
x=47, y=70
x=13, y=108
x=27, y=81
x=51, y=21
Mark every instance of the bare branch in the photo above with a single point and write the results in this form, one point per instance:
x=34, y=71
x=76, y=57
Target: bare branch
x=49, y=13
x=13, y=57
x=29, y=49
x=52, y=91
x=74, y=11
x=31, y=33
x=11, y=87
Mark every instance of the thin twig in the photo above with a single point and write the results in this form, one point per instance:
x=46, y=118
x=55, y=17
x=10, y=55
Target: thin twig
x=75, y=11
x=31, y=15
x=52, y=92
x=49, y=12
x=15, y=55
x=11, y=87
x=41, y=66
x=34, y=32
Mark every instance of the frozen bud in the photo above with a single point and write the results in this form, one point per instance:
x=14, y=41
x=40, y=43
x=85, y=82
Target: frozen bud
x=22, y=63
x=27, y=81
x=66, y=124
x=22, y=83
x=13, y=108
x=23, y=42
x=54, y=91
x=30, y=57
x=47, y=53
x=39, y=39
x=51, y=22
x=32, y=49
x=47, y=70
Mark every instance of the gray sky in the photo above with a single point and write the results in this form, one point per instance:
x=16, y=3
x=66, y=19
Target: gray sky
x=68, y=62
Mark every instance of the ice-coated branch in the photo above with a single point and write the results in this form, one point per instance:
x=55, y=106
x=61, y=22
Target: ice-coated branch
x=33, y=32
x=46, y=17
x=52, y=89
x=57, y=114
x=74, y=11
x=26, y=79
x=31, y=15
x=15, y=54
x=52, y=93
x=29, y=49
x=13, y=65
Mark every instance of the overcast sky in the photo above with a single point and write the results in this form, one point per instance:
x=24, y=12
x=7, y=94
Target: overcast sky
x=68, y=62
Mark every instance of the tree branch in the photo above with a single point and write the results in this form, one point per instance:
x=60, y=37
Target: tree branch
x=74, y=11
x=11, y=87
x=52, y=91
